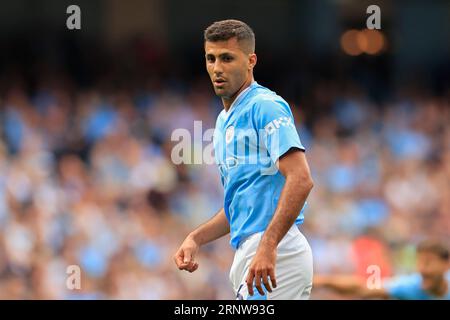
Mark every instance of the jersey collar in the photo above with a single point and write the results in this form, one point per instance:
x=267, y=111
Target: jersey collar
x=240, y=97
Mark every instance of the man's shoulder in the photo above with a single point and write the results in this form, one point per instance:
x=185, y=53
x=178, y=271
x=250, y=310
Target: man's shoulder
x=263, y=98
x=405, y=287
x=262, y=94
x=407, y=280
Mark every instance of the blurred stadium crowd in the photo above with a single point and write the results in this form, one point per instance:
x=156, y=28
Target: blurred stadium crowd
x=86, y=179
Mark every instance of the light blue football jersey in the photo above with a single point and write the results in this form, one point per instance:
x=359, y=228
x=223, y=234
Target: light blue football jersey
x=409, y=287
x=248, y=140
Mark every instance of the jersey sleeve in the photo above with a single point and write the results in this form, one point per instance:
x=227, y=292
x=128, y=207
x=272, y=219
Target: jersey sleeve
x=275, y=124
x=402, y=287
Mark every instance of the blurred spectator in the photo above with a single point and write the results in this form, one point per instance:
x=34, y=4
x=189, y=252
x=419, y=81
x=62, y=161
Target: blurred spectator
x=86, y=179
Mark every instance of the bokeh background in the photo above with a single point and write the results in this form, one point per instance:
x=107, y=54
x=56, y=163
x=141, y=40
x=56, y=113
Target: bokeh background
x=86, y=117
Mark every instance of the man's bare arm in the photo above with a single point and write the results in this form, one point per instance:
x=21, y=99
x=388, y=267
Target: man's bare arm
x=295, y=169
x=211, y=230
x=298, y=185
x=350, y=285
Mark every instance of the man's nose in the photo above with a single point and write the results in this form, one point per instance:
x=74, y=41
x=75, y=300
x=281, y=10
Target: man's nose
x=217, y=69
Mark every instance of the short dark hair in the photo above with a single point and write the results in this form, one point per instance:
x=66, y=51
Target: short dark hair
x=434, y=246
x=227, y=29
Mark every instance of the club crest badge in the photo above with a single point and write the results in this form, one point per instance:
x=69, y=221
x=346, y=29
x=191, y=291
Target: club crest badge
x=229, y=134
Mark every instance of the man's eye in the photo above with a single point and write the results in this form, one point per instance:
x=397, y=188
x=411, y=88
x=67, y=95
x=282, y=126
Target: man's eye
x=210, y=59
x=227, y=59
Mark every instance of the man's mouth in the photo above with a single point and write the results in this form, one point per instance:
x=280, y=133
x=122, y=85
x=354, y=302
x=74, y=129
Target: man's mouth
x=219, y=82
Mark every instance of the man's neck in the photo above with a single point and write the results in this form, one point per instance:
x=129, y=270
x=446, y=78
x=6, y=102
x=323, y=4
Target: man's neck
x=227, y=102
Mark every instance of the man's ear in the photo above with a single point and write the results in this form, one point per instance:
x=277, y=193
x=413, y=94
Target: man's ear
x=252, y=60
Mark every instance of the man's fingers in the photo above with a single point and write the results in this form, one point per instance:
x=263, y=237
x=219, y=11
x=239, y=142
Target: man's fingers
x=179, y=259
x=187, y=256
x=258, y=283
x=249, y=281
x=189, y=266
x=195, y=267
x=272, y=278
x=184, y=260
x=266, y=281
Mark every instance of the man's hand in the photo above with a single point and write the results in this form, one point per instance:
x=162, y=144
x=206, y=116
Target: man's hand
x=213, y=229
x=185, y=256
x=262, y=267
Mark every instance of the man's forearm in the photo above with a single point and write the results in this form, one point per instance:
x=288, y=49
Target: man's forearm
x=340, y=284
x=292, y=199
x=215, y=228
x=353, y=285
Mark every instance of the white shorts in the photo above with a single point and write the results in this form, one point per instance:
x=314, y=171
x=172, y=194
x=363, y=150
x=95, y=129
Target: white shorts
x=293, y=269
